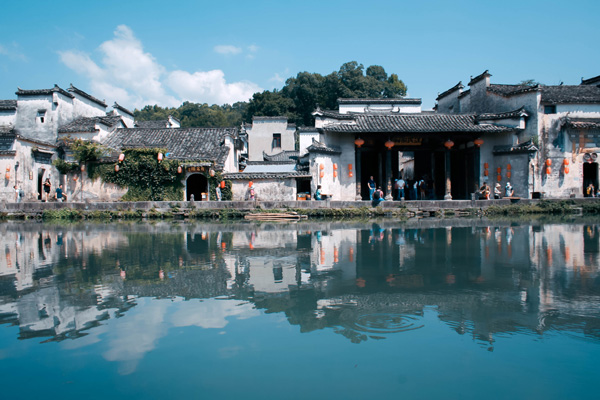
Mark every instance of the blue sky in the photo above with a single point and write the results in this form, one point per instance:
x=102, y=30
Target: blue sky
x=159, y=52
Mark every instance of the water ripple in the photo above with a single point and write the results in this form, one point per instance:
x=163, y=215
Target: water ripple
x=385, y=323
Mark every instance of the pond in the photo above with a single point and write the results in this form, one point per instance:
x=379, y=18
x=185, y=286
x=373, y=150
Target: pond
x=453, y=309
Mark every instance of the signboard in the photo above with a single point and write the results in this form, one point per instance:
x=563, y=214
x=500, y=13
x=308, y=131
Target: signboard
x=196, y=169
x=408, y=141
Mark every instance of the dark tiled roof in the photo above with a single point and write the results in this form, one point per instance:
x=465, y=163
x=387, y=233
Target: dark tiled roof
x=264, y=118
x=509, y=114
x=415, y=123
x=7, y=131
x=284, y=156
x=318, y=147
x=581, y=123
x=205, y=144
x=485, y=74
x=570, y=94
x=308, y=129
x=265, y=175
x=37, y=92
x=592, y=81
x=331, y=114
x=8, y=105
x=511, y=90
x=379, y=101
x=88, y=124
x=156, y=124
x=118, y=107
x=454, y=88
x=465, y=93
x=80, y=92
x=525, y=147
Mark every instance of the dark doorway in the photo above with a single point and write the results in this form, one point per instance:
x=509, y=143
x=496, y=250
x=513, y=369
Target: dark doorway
x=303, y=186
x=590, y=175
x=370, y=165
x=196, y=185
x=40, y=181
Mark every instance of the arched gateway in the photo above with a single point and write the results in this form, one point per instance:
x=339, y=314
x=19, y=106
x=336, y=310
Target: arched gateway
x=196, y=184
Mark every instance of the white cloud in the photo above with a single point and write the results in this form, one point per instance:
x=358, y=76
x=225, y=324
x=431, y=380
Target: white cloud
x=12, y=52
x=227, y=49
x=277, y=78
x=210, y=87
x=253, y=48
x=134, y=78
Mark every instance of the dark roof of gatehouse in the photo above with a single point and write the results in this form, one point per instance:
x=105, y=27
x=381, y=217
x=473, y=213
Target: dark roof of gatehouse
x=503, y=115
x=80, y=92
x=511, y=90
x=525, y=147
x=119, y=107
x=454, y=88
x=8, y=105
x=416, y=123
x=265, y=175
x=576, y=94
x=318, y=147
x=581, y=123
x=391, y=100
x=155, y=124
x=205, y=144
x=38, y=92
x=331, y=114
x=591, y=81
x=88, y=124
x=288, y=156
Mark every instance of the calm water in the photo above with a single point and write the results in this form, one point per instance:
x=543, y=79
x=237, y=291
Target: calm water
x=421, y=310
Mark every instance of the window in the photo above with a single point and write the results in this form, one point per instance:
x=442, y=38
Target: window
x=276, y=141
x=550, y=109
x=41, y=114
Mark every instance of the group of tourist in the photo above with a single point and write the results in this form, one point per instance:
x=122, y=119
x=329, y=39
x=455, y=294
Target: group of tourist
x=485, y=192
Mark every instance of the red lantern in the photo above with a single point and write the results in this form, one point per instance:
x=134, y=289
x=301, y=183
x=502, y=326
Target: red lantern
x=75, y=178
x=359, y=142
x=566, y=161
x=222, y=184
x=486, y=165
x=485, y=172
x=8, y=169
x=121, y=157
x=509, y=167
x=335, y=174
x=389, y=144
x=250, y=184
x=548, y=170
x=449, y=143
x=478, y=142
x=350, y=174
x=179, y=169
x=321, y=174
x=508, y=174
x=566, y=170
x=498, y=170
x=321, y=167
x=116, y=167
x=7, y=175
x=160, y=157
x=548, y=162
x=499, y=178
x=82, y=167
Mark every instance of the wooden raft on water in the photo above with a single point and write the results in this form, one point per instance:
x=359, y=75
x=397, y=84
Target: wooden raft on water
x=288, y=216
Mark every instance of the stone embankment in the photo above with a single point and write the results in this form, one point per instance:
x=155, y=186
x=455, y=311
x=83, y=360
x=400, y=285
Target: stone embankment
x=327, y=208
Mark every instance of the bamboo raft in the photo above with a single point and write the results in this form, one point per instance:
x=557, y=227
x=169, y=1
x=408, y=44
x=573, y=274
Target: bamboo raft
x=288, y=216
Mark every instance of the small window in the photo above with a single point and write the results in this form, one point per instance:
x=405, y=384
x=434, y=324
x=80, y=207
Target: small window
x=41, y=115
x=550, y=109
x=276, y=141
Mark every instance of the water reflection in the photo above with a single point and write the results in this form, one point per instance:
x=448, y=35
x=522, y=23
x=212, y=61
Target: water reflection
x=362, y=281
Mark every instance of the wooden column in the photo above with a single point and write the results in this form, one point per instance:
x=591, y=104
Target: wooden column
x=388, y=174
x=358, y=155
x=448, y=195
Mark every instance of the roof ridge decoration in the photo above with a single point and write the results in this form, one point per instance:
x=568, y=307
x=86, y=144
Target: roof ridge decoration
x=483, y=75
x=331, y=114
x=86, y=95
x=591, y=81
x=380, y=100
x=37, y=92
x=319, y=147
x=458, y=86
x=518, y=113
x=525, y=147
x=580, y=123
x=119, y=107
x=284, y=156
x=507, y=90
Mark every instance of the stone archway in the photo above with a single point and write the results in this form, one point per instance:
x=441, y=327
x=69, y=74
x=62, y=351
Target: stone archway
x=196, y=184
x=590, y=175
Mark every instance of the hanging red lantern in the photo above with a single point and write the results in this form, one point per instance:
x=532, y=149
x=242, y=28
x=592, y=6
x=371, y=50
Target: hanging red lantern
x=211, y=172
x=509, y=167
x=335, y=174
x=321, y=167
x=508, y=174
x=499, y=178
x=548, y=162
x=7, y=175
x=478, y=142
x=548, y=170
x=75, y=178
x=160, y=157
x=359, y=142
x=486, y=165
x=179, y=169
x=116, y=167
x=566, y=161
x=8, y=169
x=334, y=166
x=449, y=143
x=485, y=172
x=566, y=170
x=121, y=157
x=350, y=174
x=222, y=184
x=321, y=174
x=389, y=144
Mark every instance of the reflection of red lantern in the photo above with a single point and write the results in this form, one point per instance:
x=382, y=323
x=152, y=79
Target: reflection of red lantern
x=7, y=175
x=566, y=170
x=509, y=167
x=478, y=142
x=350, y=174
x=334, y=166
x=548, y=170
x=359, y=142
x=75, y=178
x=548, y=162
x=321, y=167
x=449, y=143
x=498, y=170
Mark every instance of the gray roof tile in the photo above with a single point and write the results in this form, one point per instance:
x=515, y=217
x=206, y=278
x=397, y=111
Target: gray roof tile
x=7, y=105
x=576, y=94
x=80, y=92
x=391, y=100
x=38, y=92
x=284, y=156
x=88, y=124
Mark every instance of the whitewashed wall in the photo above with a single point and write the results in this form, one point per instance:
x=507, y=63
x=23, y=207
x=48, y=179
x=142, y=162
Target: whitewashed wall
x=266, y=189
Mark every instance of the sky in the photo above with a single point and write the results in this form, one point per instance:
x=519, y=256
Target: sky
x=158, y=52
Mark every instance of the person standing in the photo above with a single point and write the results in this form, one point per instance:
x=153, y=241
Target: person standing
x=47, y=187
x=17, y=194
x=400, y=184
x=508, y=190
x=59, y=195
x=218, y=193
x=371, y=185
x=318, y=193
x=497, y=191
